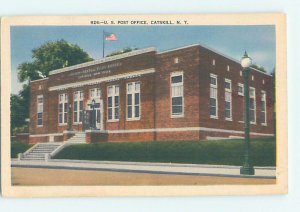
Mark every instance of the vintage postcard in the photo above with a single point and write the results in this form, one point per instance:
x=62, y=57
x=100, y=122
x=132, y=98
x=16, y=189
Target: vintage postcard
x=144, y=105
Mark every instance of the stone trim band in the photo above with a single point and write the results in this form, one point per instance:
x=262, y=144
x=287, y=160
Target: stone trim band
x=104, y=79
x=181, y=129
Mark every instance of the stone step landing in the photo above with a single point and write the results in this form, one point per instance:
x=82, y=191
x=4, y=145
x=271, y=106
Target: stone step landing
x=79, y=137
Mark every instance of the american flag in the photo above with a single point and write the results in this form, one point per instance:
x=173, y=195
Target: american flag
x=110, y=37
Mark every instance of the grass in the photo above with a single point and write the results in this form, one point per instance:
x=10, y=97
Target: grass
x=221, y=152
x=18, y=147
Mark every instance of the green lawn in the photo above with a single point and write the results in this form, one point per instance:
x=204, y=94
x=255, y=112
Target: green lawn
x=225, y=152
x=18, y=147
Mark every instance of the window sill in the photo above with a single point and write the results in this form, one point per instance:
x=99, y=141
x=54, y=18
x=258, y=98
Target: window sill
x=39, y=126
x=113, y=120
x=61, y=125
x=214, y=117
x=133, y=119
x=177, y=116
x=264, y=124
x=77, y=123
x=228, y=119
x=254, y=123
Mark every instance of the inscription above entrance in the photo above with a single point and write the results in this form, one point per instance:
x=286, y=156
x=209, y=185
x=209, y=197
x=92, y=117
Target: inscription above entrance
x=95, y=71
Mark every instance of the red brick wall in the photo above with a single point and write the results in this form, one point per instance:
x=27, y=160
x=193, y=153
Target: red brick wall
x=92, y=137
x=43, y=139
x=220, y=69
x=146, y=103
x=178, y=136
x=188, y=62
x=40, y=139
x=39, y=88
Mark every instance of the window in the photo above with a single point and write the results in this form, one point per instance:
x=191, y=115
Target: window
x=228, y=100
x=252, y=105
x=95, y=93
x=40, y=110
x=177, y=94
x=78, y=106
x=241, y=89
x=176, y=60
x=133, y=100
x=63, y=108
x=113, y=103
x=213, y=62
x=228, y=68
x=213, y=96
x=263, y=112
x=241, y=93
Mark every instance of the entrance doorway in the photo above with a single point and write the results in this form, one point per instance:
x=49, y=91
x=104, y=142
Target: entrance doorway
x=97, y=115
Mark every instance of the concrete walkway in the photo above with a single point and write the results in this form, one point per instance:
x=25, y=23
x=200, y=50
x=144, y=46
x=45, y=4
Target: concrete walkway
x=145, y=167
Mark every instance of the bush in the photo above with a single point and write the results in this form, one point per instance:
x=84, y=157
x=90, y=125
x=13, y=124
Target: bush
x=18, y=147
x=221, y=152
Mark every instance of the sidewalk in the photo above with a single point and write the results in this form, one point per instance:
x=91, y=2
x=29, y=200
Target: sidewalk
x=145, y=167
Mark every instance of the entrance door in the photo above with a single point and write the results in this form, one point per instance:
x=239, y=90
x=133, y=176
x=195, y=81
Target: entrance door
x=98, y=114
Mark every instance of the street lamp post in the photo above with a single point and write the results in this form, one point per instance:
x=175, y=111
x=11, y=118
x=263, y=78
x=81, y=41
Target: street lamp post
x=70, y=117
x=247, y=168
x=93, y=118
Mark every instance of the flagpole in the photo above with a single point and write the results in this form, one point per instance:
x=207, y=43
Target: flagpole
x=103, y=44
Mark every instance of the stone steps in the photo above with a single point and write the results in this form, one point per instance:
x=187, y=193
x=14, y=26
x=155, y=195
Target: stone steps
x=40, y=151
x=77, y=138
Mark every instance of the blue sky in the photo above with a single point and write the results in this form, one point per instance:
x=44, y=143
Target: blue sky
x=259, y=41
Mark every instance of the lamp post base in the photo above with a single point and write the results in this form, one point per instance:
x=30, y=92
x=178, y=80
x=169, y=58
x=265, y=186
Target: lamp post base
x=247, y=170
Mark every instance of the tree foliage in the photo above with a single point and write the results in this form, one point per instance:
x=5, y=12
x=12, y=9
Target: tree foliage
x=50, y=56
x=125, y=50
x=18, y=112
x=260, y=68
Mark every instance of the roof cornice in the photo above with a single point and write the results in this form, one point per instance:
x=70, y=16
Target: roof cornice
x=231, y=58
x=103, y=60
x=142, y=51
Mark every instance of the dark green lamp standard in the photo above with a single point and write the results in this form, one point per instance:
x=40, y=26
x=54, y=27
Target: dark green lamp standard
x=247, y=168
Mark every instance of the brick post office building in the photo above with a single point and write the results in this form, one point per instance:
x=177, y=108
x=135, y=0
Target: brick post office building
x=189, y=93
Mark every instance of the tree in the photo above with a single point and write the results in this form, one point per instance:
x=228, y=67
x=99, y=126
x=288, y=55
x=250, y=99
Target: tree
x=18, y=112
x=50, y=56
x=125, y=50
x=260, y=68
